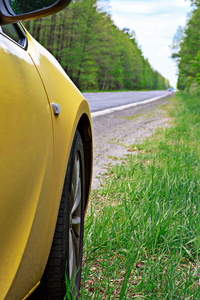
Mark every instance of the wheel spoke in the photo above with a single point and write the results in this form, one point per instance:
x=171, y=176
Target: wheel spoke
x=75, y=216
x=76, y=223
x=76, y=186
x=72, y=254
x=77, y=196
x=74, y=179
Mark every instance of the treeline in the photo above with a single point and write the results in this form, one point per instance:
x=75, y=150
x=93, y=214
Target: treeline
x=186, y=50
x=93, y=51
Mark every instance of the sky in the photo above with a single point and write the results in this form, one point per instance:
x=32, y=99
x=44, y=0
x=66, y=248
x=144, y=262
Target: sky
x=155, y=22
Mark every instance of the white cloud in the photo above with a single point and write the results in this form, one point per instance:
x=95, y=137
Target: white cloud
x=130, y=8
x=148, y=7
x=155, y=23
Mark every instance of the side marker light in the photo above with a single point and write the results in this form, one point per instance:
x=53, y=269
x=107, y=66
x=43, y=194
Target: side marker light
x=56, y=108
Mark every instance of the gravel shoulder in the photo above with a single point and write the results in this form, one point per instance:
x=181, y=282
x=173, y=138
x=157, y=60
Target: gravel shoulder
x=115, y=133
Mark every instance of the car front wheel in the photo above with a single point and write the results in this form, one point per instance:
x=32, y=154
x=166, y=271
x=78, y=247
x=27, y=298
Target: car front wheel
x=62, y=275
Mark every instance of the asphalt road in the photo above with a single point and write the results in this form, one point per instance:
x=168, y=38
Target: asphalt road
x=102, y=101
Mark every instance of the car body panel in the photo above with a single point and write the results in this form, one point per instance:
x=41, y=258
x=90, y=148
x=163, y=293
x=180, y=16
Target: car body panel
x=73, y=107
x=40, y=154
x=26, y=140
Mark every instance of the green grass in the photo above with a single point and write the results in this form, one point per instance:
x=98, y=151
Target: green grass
x=142, y=233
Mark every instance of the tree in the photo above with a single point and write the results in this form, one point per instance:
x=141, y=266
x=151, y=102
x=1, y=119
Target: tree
x=92, y=50
x=187, y=45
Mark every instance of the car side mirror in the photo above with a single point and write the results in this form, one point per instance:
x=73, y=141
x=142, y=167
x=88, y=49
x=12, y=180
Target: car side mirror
x=12, y=11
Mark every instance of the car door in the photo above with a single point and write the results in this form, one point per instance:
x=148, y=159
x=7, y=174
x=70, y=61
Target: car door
x=26, y=159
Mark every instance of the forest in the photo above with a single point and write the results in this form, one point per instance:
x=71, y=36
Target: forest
x=186, y=51
x=94, y=52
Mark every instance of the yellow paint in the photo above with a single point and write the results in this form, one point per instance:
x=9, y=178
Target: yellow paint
x=34, y=152
x=31, y=291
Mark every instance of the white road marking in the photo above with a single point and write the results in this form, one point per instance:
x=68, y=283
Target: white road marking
x=110, y=110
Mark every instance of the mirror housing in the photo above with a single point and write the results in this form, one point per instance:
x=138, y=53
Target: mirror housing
x=7, y=16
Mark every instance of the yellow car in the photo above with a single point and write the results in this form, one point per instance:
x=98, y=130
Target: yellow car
x=45, y=163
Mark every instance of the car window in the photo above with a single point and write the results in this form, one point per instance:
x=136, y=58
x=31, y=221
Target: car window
x=15, y=33
x=11, y=31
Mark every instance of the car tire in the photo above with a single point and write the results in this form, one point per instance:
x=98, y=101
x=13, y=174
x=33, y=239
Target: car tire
x=62, y=275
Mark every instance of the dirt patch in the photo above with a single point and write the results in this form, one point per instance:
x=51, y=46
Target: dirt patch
x=115, y=133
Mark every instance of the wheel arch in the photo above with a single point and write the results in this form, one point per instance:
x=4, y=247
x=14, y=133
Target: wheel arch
x=85, y=130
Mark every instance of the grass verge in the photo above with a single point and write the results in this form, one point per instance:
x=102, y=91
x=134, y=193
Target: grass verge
x=142, y=234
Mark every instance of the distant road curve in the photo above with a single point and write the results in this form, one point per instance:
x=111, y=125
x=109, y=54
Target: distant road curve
x=109, y=100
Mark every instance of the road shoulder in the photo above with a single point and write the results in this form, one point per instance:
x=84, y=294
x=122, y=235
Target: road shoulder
x=115, y=134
